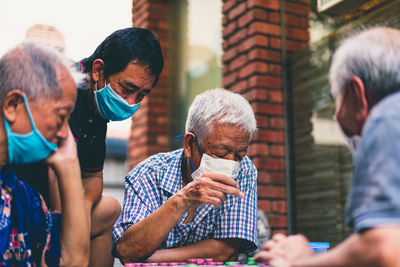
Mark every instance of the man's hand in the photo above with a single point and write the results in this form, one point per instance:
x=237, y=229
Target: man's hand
x=209, y=188
x=74, y=236
x=283, y=251
x=65, y=153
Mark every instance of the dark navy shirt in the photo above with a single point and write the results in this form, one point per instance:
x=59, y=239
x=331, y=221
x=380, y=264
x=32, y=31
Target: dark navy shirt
x=89, y=131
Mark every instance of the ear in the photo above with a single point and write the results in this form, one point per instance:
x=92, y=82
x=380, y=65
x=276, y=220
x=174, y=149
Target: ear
x=357, y=90
x=361, y=108
x=12, y=104
x=98, y=72
x=188, y=144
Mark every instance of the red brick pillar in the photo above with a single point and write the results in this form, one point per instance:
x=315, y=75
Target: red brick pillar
x=253, y=67
x=149, y=133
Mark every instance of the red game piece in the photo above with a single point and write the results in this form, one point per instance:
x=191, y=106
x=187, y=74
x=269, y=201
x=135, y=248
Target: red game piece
x=200, y=261
x=209, y=260
x=190, y=261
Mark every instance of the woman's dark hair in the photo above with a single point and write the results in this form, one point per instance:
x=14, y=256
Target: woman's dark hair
x=125, y=45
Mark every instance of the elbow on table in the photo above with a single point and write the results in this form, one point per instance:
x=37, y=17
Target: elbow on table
x=221, y=252
x=226, y=257
x=128, y=255
x=131, y=258
x=230, y=255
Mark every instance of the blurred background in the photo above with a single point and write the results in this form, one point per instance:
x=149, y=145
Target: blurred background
x=276, y=53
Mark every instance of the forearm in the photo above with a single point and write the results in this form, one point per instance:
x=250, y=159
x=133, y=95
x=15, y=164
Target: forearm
x=376, y=247
x=93, y=188
x=75, y=229
x=217, y=249
x=141, y=239
x=334, y=257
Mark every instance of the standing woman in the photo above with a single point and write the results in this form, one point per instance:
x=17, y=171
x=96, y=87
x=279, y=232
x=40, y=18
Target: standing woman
x=120, y=73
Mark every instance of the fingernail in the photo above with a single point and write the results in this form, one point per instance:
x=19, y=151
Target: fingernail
x=241, y=195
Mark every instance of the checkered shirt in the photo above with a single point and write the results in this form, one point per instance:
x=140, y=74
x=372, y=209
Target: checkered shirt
x=155, y=180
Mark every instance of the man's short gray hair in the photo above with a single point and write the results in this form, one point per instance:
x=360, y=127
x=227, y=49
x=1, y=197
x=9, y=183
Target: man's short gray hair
x=221, y=106
x=373, y=55
x=33, y=69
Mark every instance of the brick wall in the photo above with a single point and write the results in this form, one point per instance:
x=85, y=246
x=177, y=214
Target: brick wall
x=253, y=67
x=149, y=133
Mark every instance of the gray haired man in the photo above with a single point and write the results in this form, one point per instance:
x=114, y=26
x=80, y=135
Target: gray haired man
x=365, y=80
x=37, y=95
x=199, y=201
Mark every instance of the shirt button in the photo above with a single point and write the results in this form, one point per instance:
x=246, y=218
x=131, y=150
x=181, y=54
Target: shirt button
x=90, y=121
x=84, y=136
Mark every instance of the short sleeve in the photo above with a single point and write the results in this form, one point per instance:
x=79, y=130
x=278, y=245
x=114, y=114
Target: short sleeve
x=374, y=198
x=134, y=209
x=92, y=151
x=89, y=130
x=240, y=220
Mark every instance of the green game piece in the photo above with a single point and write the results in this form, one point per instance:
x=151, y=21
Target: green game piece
x=250, y=261
x=231, y=263
x=191, y=265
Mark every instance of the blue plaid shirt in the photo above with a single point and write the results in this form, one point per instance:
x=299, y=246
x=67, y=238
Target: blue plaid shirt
x=155, y=180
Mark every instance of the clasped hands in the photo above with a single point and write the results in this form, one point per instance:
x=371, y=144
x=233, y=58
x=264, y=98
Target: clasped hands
x=284, y=251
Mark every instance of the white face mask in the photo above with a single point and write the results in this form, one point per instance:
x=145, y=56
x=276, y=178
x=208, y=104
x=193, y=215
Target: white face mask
x=209, y=164
x=353, y=143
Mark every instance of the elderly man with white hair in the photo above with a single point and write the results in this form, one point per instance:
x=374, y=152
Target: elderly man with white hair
x=199, y=201
x=365, y=80
x=37, y=95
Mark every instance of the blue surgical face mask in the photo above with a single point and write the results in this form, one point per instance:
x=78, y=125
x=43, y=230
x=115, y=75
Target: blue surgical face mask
x=112, y=106
x=27, y=148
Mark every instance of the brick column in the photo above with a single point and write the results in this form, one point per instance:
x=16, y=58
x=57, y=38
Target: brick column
x=149, y=133
x=253, y=67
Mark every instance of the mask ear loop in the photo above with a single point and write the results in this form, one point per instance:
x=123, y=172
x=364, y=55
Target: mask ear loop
x=34, y=129
x=191, y=164
x=180, y=137
x=105, y=84
x=198, y=147
x=29, y=111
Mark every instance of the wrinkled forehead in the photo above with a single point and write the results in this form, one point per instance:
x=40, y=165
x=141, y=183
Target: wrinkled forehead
x=227, y=133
